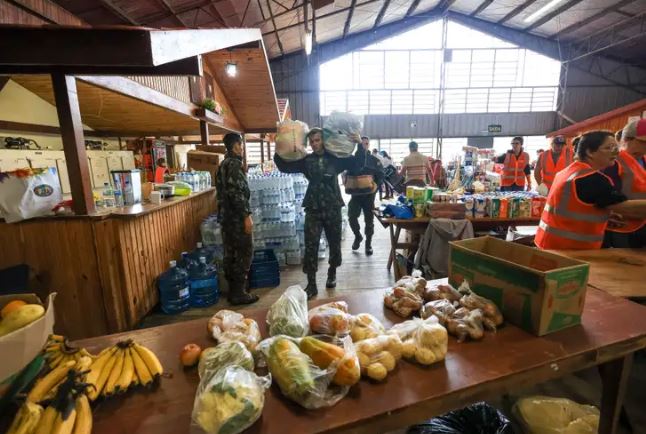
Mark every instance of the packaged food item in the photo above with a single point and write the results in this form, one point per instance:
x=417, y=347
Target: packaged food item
x=338, y=353
x=423, y=341
x=442, y=291
x=403, y=301
x=538, y=203
x=366, y=326
x=288, y=315
x=230, y=401
x=226, y=354
x=466, y=324
x=378, y=356
x=442, y=309
x=338, y=128
x=492, y=318
x=504, y=208
x=415, y=283
x=550, y=415
x=330, y=319
x=28, y=193
x=410, y=189
x=525, y=209
x=229, y=326
x=494, y=211
x=291, y=138
x=514, y=207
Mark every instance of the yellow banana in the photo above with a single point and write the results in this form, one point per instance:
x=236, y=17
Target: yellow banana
x=83, y=424
x=103, y=373
x=46, y=383
x=55, y=360
x=26, y=419
x=64, y=426
x=114, y=374
x=150, y=359
x=97, y=368
x=47, y=421
x=56, y=338
x=124, y=381
x=143, y=374
x=52, y=347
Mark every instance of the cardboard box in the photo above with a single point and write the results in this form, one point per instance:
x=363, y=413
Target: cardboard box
x=535, y=290
x=19, y=347
x=206, y=161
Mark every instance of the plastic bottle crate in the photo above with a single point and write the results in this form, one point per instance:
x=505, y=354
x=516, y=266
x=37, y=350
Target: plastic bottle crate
x=265, y=271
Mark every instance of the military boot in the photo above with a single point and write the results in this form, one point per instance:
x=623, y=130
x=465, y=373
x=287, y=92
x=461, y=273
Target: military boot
x=331, y=278
x=357, y=241
x=311, y=289
x=238, y=294
x=368, y=245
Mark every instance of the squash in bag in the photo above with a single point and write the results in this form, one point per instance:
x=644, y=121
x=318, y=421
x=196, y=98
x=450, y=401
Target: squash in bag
x=290, y=368
x=323, y=354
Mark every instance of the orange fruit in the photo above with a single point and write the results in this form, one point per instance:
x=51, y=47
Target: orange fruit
x=11, y=306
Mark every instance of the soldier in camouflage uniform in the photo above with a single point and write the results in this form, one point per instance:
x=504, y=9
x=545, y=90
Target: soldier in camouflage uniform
x=235, y=217
x=322, y=203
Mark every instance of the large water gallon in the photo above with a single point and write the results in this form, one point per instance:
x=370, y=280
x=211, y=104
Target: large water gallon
x=202, y=251
x=203, y=283
x=174, y=291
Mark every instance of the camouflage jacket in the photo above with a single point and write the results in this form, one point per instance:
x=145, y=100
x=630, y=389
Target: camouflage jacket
x=322, y=172
x=232, y=189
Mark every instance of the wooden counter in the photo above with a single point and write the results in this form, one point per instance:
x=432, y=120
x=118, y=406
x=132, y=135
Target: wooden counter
x=104, y=266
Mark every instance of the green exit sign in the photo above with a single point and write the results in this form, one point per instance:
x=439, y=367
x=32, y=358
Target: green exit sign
x=494, y=128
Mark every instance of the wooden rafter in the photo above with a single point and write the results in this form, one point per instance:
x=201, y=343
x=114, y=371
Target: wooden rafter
x=313, y=28
x=178, y=11
x=278, y=15
x=281, y=5
x=169, y=8
x=117, y=11
x=484, y=5
x=244, y=15
x=382, y=12
x=552, y=15
x=412, y=7
x=348, y=21
x=213, y=11
x=517, y=10
x=262, y=13
x=592, y=18
x=273, y=22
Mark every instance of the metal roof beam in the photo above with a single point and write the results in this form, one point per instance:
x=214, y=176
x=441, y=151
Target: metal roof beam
x=552, y=14
x=348, y=21
x=117, y=11
x=517, y=10
x=412, y=8
x=484, y=5
x=592, y=18
x=169, y=8
x=382, y=12
x=273, y=22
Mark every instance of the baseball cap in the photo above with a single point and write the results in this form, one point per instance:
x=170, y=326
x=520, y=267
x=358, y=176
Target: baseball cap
x=559, y=140
x=635, y=130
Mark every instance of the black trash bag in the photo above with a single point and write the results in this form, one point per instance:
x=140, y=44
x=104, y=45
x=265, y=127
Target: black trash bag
x=480, y=418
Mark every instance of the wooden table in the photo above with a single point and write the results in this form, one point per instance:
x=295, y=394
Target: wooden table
x=619, y=272
x=613, y=329
x=418, y=226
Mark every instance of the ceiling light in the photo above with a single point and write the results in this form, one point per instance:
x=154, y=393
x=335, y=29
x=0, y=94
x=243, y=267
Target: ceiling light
x=307, y=42
x=231, y=69
x=551, y=5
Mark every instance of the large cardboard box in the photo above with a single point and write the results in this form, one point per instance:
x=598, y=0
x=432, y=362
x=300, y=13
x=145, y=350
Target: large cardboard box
x=19, y=347
x=537, y=291
x=207, y=161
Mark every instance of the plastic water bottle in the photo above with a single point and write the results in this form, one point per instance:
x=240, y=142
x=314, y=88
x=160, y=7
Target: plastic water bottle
x=128, y=195
x=107, y=195
x=118, y=198
x=186, y=262
x=201, y=251
x=173, y=287
x=204, y=288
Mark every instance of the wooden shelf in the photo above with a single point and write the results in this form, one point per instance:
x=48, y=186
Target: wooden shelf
x=211, y=117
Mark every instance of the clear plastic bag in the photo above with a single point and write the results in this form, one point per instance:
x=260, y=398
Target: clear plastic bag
x=230, y=401
x=415, y=283
x=402, y=301
x=230, y=326
x=441, y=292
x=379, y=355
x=443, y=309
x=366, y=326
x=330, y=319
x=423, y=341
x=465, y=324
x=492, y=318
x=338, y=128
x=291, y=138
x=547, y=415
x=288, y=315
x=226, y=354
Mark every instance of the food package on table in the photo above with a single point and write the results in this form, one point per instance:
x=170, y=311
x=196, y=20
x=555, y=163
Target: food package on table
x=465, y=324
x=230, y=401
x=378, y=356
x=181, y=188
x=548, y=415
x=402, y=301
x=330, y=319
x=443, y=309
x=288, y=315
x=299, y=377
x=442, y=291
x=424, y=341
x=225, y=354
x=291, y=137
x=338, y=128
x=28, y=193
x=366, y=326
x=229, y=326
x=415, y=283
x=333, y=353
x=492, y=318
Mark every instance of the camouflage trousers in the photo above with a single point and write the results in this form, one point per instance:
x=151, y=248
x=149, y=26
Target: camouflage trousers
x=238, y=251
x=316, y=222
x=359, y=203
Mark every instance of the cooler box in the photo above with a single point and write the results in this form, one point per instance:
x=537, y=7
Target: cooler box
x=265, y=271
x=538, y=291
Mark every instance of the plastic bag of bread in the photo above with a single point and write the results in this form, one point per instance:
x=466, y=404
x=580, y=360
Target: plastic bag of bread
x=288, y=315
x=330, y=319
x=466, y=324
x=379, y=355
x=442, y=291
x=492, y=316
x=291, y=138
x=415, y=283
x=366, y=326
x=402, y=301
x=443, y=309
x=423, y=341
x=229, y=326
x=548, y=415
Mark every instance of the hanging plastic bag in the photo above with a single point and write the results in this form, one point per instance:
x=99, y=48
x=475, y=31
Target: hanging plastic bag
x=330, y=319
x=230, y=401
x=29, y=193
x=423, y=341
x=478, y=418
x=291, y=138
x=229, y=326
x=547, y=415
x=288, y=315
x=226, y=354
x=338, y=128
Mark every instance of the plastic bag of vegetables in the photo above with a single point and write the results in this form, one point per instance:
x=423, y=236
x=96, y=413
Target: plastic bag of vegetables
x=226, y=354
x=330, y=319
x=181, y=188
x=338, y=128
x=288, y=315
x=230, y=401
x=229, y=326
x=424, y=341
x=366, y=326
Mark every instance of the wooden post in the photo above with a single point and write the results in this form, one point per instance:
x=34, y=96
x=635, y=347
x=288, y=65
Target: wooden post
x=69, y=118
x=269, y=150
x=262, y=150
x=244, y=152
x=204, y=133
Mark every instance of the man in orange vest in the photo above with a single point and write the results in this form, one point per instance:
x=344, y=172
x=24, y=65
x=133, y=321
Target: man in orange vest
x=516, y=170
x=557, y=158
x=629, y=176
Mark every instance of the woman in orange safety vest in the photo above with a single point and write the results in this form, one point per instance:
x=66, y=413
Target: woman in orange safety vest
x=554, y=160
x=516, y=170
x=582, y=198
x=160, y=171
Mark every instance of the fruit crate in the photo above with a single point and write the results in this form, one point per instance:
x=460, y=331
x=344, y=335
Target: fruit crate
x=265, y=271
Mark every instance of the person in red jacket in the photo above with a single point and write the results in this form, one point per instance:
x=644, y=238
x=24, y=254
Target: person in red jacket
x=582, y=199
x=552, y=161
x=160, y=171
x=516, y=170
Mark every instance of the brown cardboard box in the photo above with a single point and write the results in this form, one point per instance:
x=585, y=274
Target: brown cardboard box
x=538, y=291
x=19, y=347
x=208, y=161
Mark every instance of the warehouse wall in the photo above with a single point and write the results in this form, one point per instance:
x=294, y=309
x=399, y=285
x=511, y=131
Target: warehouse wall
x=297, y=79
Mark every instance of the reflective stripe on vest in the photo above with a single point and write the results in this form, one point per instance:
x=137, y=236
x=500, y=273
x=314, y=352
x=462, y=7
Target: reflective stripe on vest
x=514, y=170
x=550, y=169
x=633, y=186
x=569, y=234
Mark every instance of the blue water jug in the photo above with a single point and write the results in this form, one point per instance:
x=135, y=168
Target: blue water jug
x=186, y=262
x=174, y=294
x=202, y=251
x=203, y=283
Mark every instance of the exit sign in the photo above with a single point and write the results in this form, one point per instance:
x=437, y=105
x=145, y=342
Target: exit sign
x=494, y=128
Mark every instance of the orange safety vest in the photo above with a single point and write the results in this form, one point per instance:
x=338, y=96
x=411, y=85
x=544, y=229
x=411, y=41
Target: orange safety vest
x=633, y=186
x=159, y=174
x=567, y=222
x=513, y=171
x=550, y=169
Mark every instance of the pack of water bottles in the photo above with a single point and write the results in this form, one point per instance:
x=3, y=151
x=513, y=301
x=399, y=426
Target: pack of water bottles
x=198, y=180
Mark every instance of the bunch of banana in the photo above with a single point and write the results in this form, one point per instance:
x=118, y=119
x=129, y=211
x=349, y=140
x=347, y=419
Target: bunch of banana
x=47, y=386
x=58, y=351
x=120, y=367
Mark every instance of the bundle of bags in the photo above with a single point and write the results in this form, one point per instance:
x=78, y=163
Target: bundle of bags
x=337, y=130
x=291, y=138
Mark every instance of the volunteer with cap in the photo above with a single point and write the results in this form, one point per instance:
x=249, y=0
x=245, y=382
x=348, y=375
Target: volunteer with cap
x=557, y=158
x=516, y=170
x=582, y=198
x=629, y=176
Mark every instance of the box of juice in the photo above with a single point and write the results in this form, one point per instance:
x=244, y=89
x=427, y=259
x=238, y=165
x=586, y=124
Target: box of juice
x=504, y=208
